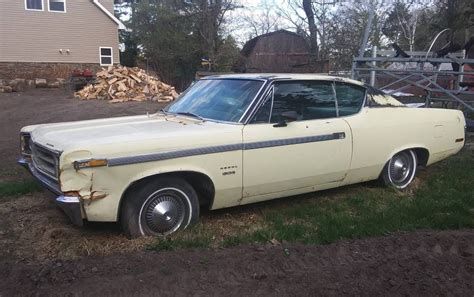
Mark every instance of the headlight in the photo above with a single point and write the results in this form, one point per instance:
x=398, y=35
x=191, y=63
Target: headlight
x=25, y=144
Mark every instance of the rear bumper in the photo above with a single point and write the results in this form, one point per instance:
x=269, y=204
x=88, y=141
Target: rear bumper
x=71, y=205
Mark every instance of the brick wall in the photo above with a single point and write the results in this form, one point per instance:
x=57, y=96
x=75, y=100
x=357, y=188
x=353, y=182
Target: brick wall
x=49, y=71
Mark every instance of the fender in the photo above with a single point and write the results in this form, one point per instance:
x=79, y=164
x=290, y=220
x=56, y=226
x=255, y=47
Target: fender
x=406, y=147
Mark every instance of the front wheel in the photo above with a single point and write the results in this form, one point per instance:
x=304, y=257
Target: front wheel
x=160, y=207
x=400, y=170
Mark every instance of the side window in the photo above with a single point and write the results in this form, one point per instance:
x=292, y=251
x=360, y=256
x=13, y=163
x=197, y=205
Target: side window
x=310, y=99
x=349, y=98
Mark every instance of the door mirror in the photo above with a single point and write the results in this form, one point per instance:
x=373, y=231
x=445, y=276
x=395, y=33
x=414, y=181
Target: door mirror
x=287, y=116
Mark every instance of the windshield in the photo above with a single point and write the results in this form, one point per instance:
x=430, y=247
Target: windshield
x=217, y=99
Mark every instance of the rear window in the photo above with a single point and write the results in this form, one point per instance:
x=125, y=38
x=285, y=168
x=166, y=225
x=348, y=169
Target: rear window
x=350, y=98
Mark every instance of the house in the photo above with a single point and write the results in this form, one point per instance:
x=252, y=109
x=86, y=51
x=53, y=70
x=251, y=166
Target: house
x=281, y=51
x=49, y=38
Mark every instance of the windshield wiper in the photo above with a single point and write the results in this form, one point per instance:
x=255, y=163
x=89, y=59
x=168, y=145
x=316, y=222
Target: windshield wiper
x=190, y=114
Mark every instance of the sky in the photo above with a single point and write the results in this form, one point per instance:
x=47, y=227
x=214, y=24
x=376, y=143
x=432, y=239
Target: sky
x=255, y=10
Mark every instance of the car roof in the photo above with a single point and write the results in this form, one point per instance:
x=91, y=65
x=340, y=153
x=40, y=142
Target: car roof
x=284, y=76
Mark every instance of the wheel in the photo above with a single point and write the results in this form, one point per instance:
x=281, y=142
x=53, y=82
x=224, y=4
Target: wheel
x=400, y=170
x=160, y=207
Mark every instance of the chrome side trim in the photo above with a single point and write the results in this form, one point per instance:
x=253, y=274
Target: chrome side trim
x=254, y=102
x=292, y=141
x=222, y=148
x=174, y=154
x=68, y=199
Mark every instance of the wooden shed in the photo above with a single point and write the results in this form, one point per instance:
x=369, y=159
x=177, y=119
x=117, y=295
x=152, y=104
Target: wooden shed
x=281, y=51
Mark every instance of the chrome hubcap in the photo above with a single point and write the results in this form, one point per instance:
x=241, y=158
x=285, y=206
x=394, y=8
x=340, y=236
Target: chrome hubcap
x=163, y=212
x=400, y=167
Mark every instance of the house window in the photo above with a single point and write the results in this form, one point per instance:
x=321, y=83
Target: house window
x=57, y=5
x=34, y=5
x=106, y=57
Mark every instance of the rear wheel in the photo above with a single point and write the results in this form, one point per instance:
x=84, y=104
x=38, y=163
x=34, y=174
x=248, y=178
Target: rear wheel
x=400, y=170
x=160, y=207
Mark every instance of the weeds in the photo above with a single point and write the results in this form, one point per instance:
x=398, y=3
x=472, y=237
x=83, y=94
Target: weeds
x=444, y=200
x=16, y=188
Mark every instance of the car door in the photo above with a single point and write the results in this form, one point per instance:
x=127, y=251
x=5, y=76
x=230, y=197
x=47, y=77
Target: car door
x=294, y=157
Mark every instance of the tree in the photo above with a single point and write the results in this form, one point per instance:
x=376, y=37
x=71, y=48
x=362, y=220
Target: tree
x=311, y=18
x=452, y=14
x=345, y=31
x=209, y=16
x=401, y=25
x=258, y=20
x=344, y=35
x=129, y=54
x=173, y=36
x=227, y=54
x=168, y=40
x=313, y=29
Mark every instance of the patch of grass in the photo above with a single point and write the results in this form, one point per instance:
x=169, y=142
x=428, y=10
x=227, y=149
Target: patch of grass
x=443, y=200
x=192, y=238
x=262, y=235
x=18, y=187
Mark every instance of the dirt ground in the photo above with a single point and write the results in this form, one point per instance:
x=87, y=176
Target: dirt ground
x=41, y=106
x=41, y=253
x=412, y=264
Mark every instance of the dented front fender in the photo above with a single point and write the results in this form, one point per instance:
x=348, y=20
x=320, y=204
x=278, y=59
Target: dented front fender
x=80, y=183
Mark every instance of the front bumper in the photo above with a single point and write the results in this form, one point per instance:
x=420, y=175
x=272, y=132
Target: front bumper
x=71, y=205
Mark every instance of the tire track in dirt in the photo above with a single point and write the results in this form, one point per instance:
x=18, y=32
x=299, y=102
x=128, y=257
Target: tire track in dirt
x=420, y=263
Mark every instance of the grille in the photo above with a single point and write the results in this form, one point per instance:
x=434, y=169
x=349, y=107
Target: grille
x=44, y=160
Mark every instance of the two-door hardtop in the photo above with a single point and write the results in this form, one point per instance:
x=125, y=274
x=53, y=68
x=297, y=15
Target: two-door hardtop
x=232, y=140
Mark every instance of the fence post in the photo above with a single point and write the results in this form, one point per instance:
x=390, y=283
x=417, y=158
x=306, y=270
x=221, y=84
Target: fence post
x=374, y=63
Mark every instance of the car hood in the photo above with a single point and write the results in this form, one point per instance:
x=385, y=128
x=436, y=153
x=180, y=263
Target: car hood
x=146, y=134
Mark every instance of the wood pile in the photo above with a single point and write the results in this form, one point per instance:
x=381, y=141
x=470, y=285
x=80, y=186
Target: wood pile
x=121, y=84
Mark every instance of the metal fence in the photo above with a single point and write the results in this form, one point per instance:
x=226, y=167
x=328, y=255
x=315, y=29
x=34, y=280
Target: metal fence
x=442, y=79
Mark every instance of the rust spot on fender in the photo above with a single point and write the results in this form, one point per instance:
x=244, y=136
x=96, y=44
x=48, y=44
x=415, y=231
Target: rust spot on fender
x=97, y=195
x=94, y=195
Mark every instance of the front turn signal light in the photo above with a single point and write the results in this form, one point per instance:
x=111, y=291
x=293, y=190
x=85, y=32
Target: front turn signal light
x=90, y=163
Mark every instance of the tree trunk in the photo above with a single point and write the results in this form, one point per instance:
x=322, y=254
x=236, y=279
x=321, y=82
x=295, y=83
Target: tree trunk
x=313, y=30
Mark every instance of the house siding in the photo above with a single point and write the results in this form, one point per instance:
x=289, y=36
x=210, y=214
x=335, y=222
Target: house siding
x=37, y=36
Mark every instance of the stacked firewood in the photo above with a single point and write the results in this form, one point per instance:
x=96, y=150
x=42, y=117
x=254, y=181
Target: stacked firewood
x=121, y=84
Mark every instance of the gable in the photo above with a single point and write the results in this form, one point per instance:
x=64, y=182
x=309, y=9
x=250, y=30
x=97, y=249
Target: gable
x=109, y=14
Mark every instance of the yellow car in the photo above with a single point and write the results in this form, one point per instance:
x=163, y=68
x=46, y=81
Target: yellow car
x=232, y=140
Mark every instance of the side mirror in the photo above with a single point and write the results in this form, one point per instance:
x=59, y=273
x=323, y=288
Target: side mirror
x=288, y=116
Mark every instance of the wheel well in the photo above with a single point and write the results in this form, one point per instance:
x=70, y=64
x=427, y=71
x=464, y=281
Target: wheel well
x=422, y=155
x=201, y=183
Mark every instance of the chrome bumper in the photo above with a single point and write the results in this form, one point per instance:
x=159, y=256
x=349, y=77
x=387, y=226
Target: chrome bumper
x=70, y=205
